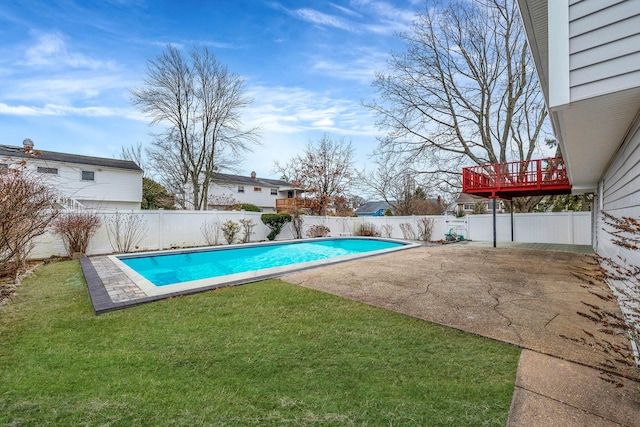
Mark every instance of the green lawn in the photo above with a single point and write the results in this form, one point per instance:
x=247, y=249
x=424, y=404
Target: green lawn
x=268, y=353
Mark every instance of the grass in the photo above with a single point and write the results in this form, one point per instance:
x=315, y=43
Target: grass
x=268, y=353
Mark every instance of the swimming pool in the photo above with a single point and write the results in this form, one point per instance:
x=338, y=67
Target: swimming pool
x=162, y=272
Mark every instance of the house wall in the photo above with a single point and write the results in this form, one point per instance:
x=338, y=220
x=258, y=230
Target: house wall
x=619, y=195
x=604, y=46
x=111, y=189
x=263, y=199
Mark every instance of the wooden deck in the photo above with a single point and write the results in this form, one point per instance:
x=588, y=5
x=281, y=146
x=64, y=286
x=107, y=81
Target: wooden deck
x=283, y=205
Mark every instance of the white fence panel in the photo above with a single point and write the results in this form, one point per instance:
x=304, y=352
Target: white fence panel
x=178, y=229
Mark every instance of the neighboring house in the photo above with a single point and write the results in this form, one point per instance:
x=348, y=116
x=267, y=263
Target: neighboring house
x=373, y=209
x=268, y=194
x=587, y=55
x=81, y=181
x=467, y=203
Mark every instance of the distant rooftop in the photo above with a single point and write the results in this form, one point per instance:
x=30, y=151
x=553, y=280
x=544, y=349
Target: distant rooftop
x=20, y=152
x=240, y=179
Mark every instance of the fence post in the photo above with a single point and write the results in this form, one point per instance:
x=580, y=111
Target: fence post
x=160, y=230
x=570, y=218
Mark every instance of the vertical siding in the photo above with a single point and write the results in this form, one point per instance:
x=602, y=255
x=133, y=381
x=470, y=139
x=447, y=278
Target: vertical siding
x=604, y=46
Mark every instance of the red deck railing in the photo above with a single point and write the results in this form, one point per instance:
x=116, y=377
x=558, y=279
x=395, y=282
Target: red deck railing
x=516, y=179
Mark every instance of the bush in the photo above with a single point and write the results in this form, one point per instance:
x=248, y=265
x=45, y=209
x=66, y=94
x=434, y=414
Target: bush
x=297, y=222
x=125, y=231
x=247, y=207
x=387, y=230
x=407, y=231
x=27, y=206
x=425, y=228
x=211, y=232
x=365, y=229
x=318, y=231
x=275, y=222
x=230, y=230
x=76, y=229
x=247, y=225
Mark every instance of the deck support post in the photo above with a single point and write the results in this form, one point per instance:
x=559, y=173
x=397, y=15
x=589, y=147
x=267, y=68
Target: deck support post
x=494, y=222
x=511, y=202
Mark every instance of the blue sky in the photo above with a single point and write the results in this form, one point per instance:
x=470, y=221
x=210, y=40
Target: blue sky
x=66, y=68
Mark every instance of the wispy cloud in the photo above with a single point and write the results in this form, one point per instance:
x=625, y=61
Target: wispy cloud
x=324, y=19
x=188, y=43
x=297, y=110
x=51, y=50
x=363, y=16
x=63, y=89
x=361, y=65
x=65, y=110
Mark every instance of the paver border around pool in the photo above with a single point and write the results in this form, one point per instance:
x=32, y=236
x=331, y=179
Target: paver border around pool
x=113, y=285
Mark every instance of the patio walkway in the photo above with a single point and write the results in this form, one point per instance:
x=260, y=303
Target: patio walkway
x=541, y=300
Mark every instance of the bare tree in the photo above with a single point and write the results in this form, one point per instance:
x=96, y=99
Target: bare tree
x=325, y=171
x=27, y=206
x=135, y=153
x=465, y=91
x=395, y=180
x=199, y=102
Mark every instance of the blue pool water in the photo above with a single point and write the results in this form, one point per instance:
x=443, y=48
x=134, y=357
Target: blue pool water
x=168, y=269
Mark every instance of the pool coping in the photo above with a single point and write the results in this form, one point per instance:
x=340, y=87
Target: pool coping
x=108, y=283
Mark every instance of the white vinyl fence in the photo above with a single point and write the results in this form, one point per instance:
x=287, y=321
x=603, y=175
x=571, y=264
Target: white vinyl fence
x=179, y=229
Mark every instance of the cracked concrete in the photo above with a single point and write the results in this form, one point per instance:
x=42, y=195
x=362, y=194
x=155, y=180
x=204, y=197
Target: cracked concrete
x=529, y=298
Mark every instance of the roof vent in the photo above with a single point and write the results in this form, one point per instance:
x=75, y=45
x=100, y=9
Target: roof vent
x=28, y=145
x=253, y=175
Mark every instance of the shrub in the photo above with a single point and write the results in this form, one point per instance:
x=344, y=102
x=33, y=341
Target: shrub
x=230, y=230
x=247, y=207
x=76, y=229
x=388, y=212
x=275, y=222
x=386, y=230
x=247, y=225
x=407, y=231
x=211, y=232
x=27, y=206
x=425, y=228
x=365, y=229
x=318, y=231
x=297, y=222
x=125, y=231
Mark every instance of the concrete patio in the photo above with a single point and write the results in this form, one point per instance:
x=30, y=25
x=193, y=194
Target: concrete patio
x=570, y=373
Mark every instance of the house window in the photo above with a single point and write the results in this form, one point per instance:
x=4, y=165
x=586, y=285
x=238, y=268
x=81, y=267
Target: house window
x=467, y=206
x=42, y=169
x=240, y=188
x=4, y=168
x=257, y=188
x=274, y=191
x=88, y=176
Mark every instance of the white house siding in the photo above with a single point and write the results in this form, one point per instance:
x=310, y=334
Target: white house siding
x=111, y=189
x=620, y=196
x=263, y=199
x=604, y=46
